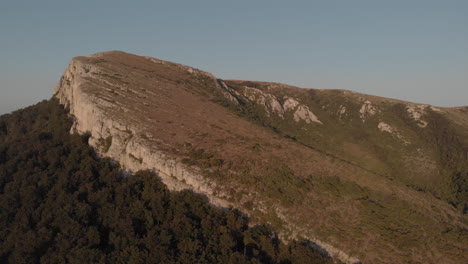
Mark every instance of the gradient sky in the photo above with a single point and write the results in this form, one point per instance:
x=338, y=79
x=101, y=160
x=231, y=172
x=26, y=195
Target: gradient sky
x=410, y=50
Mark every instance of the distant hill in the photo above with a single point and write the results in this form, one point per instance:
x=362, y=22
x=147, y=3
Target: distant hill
x=365, y=178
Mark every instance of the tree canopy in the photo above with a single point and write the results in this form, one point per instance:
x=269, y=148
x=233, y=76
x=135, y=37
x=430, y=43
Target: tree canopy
x=60, y=203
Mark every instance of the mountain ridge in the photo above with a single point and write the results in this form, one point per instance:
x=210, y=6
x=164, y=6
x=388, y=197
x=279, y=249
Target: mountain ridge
x=224, y=141
x=103, y=53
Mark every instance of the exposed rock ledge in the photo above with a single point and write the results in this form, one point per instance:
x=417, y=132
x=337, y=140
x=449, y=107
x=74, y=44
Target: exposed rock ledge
x=271, y=104
x=127, y=144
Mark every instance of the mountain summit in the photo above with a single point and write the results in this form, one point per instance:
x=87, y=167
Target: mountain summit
x=364, y=178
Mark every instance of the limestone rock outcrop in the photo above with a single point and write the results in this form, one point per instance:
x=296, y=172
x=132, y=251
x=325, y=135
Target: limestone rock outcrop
x=269, y=101
x=91, y=99
x=303, y=113
x=367, y=110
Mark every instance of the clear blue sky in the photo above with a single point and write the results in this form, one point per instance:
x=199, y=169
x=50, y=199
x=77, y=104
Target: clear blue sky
x=411, y=50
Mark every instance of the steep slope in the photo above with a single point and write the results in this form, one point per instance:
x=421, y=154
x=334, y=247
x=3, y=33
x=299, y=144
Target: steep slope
x=60, y=203
x=350, y=172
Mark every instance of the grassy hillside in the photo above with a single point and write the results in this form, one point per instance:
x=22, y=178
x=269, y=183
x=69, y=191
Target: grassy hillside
x=429, y=157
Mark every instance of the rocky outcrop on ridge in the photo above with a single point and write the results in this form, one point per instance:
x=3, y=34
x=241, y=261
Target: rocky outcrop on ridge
x=335, y=167
x=125, y=140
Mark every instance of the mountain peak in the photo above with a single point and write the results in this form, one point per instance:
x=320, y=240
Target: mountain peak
x=331, y=166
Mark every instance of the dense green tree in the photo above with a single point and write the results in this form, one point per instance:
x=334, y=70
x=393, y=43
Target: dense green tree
x=60, y=203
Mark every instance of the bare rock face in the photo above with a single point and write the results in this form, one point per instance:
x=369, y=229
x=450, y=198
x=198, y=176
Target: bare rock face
x=303, y=113
x=229, y=93
x=270, y=102
x=290, y=104
x=272, y=105
x=90, y=94
x=367, y=110
x=416, y=113
x=341, y=111
x=384, y=127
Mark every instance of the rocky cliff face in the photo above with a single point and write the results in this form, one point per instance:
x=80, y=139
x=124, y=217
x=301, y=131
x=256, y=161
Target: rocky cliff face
x=125, y=140
x=335, y=167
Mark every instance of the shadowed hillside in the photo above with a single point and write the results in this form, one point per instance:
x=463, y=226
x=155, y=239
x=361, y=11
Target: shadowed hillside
x=61, y=204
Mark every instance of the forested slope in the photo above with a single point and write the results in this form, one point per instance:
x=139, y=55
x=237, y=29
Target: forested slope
x=59, y=203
